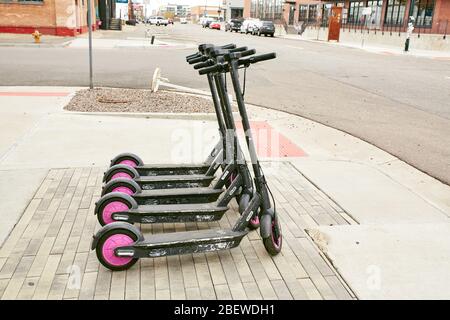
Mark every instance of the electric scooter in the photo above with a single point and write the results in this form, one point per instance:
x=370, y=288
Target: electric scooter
x=127, y=202
x=160, y=176
x=119, y=245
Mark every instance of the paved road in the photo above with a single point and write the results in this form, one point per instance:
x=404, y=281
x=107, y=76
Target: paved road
x=399, y=103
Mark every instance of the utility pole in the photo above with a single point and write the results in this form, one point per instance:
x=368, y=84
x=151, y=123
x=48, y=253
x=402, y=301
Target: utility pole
x=89, y=18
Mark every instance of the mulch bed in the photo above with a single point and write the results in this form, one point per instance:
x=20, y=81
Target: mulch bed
x=137, y=100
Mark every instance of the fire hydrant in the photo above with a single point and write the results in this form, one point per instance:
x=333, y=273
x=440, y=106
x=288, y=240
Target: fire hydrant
x=37, y=36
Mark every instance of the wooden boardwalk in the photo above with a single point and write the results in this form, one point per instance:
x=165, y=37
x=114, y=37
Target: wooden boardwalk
x=48, y=256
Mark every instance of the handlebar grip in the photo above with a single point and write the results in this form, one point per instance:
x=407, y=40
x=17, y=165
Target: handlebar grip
x=211, y=69
x=205, y=64
x=228, y=46
x=192, y=56
x=240, y=49
x=247, y=53
x=262, y=57
x=197, y=60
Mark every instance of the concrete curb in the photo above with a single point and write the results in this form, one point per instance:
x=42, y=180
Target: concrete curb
x=150, y=115
x=34, y=45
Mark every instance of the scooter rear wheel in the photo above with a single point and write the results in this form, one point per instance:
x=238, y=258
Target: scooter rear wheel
x=120, y=171
x=274, y=242
x=122, y=185
x=129, y=159
x=108, y=243
x=106, y=210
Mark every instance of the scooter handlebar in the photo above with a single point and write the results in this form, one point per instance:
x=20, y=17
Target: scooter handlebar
x=211, y=69
x=192, y=56
x=205, y=64
x=258, y=58
x=197, y=60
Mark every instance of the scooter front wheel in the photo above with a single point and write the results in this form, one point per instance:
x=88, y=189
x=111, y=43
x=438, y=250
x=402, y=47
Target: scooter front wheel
x=253, y=223
x=107, y=245
x=273, y=242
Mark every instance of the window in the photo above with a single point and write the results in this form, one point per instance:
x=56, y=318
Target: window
x=423, y=12
x=355, y=12
x=395, y=12
x=312, y=13
x=278, y=10
x=302, y=13
x=253, y=8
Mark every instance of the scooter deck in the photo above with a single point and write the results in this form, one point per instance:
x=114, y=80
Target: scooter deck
x=174, y=181
x=170, y=213
x=177, y=196
x=172, y=169
x=186, y=242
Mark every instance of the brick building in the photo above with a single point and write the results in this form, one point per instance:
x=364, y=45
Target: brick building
x=433, y=15
x=54, y=17
x=198, y=12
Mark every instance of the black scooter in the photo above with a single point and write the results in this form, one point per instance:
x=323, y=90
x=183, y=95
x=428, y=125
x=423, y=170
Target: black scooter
x=124, y=200
x=168, y=176
x=119, y=245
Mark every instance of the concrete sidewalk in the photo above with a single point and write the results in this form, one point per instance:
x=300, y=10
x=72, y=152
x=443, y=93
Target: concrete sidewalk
x=26, y=40
x=380, y=49
x=375, y=219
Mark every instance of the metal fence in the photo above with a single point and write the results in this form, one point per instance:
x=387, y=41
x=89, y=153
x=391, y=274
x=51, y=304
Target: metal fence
x=443, y=27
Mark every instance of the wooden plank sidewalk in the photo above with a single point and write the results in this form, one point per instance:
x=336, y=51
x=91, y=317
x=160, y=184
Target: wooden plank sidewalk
x=47, y=255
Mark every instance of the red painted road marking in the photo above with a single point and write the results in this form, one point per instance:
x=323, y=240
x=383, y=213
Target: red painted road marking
x=33, y=94
x=270, y=143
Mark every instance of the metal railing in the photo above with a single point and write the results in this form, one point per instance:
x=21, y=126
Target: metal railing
x=442, y=27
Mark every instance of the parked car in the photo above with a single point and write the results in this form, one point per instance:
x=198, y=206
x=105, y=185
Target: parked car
x=215, y=25
x=183, y=21
x=233, y=25
x=159, y=21
x=263, y=27
x=248, y=25
x=206, y=21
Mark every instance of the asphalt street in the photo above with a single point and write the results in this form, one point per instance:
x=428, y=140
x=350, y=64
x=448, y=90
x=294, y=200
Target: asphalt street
x=399, y=103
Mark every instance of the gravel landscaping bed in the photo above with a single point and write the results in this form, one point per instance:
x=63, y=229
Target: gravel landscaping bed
x=137, y=100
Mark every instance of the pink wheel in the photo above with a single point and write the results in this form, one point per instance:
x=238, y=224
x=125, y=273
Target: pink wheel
x=129, y=163
x=121, y=175
x=116, y=240
x=126, y=186
x=274, y=242
x=107, y=245
x=254, y=222
x=105, y=215
x=123, y=189
x=276, y=236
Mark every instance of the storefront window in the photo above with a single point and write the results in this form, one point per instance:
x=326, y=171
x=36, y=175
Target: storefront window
x=355, y=12
x=423, y=12
x=312, y=13
x=302, y=13
x=395, y=12
x=278, y=10
x=374, y=19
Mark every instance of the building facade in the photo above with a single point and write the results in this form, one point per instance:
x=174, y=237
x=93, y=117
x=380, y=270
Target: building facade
x=198, y=12
x=54, y=17
x=433, y=15
x=233, y=9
